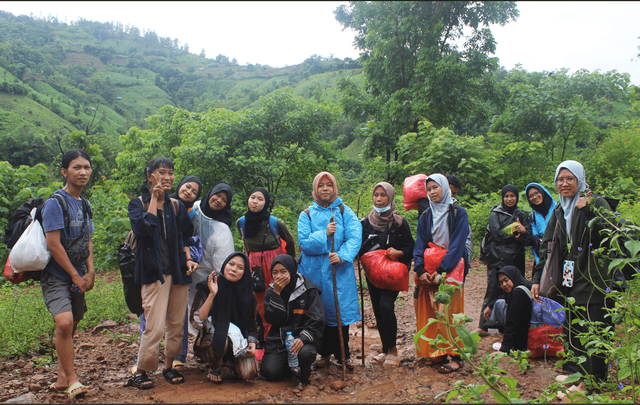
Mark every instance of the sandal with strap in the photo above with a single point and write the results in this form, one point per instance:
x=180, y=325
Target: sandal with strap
x=214, y=377
x=432, y=361
x=349, y=362
x=448, y=368
x=172, y=375
x=140, y=380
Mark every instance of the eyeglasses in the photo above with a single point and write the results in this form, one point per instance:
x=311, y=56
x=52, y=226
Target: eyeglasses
x=534, y=194
x=568, y=180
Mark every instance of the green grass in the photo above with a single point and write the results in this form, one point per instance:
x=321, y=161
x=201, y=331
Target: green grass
x=28, y=326
x=354, y=149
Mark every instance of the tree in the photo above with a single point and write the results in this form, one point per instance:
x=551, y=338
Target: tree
x=553, y=107
x=420, y=65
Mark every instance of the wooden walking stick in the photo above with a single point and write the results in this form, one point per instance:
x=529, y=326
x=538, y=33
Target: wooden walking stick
x=335, y=300
x=361, y=291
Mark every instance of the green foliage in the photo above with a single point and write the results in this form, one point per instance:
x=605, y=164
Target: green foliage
x=111, y=223
x=416, y=67
x=618, y=156
x=27, y=325
x=552, y=108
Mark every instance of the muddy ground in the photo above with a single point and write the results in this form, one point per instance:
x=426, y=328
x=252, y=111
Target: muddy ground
x=103, y=360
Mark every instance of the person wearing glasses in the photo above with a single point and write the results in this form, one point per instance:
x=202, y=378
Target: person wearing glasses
x=542, y=204
x=587, y=277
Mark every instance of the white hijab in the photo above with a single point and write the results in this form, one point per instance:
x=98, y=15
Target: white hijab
x=440, y=212
x=569, y=204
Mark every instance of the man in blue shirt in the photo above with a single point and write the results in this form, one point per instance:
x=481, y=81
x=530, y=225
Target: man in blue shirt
x=70, y=272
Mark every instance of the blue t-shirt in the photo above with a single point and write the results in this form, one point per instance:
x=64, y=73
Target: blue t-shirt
x=53, y=220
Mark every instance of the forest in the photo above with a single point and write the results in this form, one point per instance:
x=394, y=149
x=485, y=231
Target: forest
x=426, y=95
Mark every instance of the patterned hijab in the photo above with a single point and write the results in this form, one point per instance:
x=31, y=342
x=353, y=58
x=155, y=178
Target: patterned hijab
x=380, y=222
x=440, y=211
x=569, y=204
x=316, y=182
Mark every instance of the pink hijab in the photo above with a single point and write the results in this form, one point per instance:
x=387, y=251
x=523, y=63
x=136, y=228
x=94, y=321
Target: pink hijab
x=380, y=222
x=316, y=182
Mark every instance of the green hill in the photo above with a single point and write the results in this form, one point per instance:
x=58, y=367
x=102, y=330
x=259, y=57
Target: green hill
x=103, y=78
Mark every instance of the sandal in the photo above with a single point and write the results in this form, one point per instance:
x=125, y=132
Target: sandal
x=350, y=364
x=57, y=388
x=214, y=377
x=178, y=364
x=322, y=361
x=448, y=368
x=379, y=359
x=172, y=375
x=76, y=389
x=140, y=380
x=432, y=361
x=392, y=361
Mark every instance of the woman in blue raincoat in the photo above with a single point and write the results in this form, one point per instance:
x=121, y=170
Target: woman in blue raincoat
x=542, y=204
x=314, y=237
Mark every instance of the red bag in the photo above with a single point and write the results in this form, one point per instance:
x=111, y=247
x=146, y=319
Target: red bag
x=414, y=189
x=433, y=256
x=385, y=273
x=545, y=339
x=13, y=276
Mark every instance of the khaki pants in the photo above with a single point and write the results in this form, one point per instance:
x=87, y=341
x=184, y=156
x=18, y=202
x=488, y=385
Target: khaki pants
x=164, y=305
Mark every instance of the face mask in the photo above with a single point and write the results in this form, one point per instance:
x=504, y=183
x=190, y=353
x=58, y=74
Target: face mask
x=381, y=210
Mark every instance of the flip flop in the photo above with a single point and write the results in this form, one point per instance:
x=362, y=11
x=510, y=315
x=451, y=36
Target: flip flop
x=216, y=375
x=55, y=387
x=178, y=364
x=76, y=389
x=481, y=332
x=432, y=361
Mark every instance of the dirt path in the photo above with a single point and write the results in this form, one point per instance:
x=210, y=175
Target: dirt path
x=103, y=360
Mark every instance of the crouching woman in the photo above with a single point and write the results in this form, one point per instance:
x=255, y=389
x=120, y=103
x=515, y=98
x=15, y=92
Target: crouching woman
x=292, y=303
x=224, y=312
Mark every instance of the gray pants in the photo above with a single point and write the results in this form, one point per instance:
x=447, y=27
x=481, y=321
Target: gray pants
x=498, y=315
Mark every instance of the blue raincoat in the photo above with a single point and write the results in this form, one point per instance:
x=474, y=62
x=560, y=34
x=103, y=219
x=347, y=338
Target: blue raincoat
x=538, y=222
x=314, y=259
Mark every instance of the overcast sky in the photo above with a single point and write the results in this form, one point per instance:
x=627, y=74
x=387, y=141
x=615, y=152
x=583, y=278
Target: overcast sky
x=547, y=36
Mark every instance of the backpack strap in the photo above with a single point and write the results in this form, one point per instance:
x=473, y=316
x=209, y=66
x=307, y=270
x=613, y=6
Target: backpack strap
x=273, y=224
x=176, y=206
x=241, y=224
x=526, y=290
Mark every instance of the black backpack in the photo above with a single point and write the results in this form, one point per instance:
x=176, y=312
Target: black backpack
x=21, y=219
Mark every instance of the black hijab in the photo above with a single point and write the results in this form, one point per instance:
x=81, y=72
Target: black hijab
x=187, y=179
x=253, y=220
x=543, y=208
x=516, y=278
x=233, y=303
x=514, y=190
x=223, y=215
x=291, y=265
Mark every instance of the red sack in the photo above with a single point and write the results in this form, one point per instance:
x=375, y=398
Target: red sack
x=385, y=273
x=545, y=339
x=414, y=189
x=13, y=276
x=433, y=256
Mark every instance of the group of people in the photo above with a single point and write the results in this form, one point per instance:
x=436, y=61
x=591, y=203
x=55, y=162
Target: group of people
x=243, y=305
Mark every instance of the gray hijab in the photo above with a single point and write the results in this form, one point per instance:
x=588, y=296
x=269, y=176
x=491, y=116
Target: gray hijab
x=569, y=204
x=440, y=212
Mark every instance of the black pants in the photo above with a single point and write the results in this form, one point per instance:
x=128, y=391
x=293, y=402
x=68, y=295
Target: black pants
x=331, y=342
x=595, y=365
x=275, y=365
x=383, y=302
x=493, y=292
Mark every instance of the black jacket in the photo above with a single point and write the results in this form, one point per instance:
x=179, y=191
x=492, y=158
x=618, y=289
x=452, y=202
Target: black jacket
x=504, y=249
x=516, y=327
x=303, y=315
x=397, y=237
x=148, y=230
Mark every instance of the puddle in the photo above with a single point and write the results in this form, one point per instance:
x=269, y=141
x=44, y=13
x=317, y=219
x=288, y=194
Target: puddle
x=369, y=391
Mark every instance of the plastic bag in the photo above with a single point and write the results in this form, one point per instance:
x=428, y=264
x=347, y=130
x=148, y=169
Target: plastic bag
x=30, y=252
x=545, y=340
x=510, y=229
x=433, y=256
x=385, y=273
x=13, y=276
x=414, y=189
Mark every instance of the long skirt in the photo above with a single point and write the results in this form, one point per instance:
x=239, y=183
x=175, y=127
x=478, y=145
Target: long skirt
x=265, y=264
x=427, y=308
